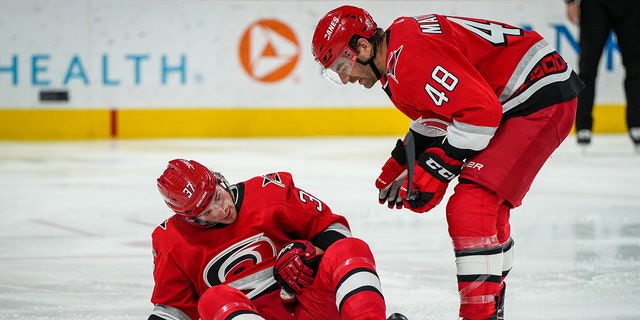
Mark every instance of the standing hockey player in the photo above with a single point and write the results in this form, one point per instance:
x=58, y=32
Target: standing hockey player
x=258, y=249
x=489, y=102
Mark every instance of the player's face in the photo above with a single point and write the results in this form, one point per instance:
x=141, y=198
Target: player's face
x=221, y=209
x=363, y=75
x=347, y=70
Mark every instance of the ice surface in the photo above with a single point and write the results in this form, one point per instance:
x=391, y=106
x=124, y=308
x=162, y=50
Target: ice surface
x=77, y=217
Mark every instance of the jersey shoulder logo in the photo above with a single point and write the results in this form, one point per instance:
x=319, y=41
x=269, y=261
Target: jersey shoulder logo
x=272, y=178
x=163, y=225
x=392, y=62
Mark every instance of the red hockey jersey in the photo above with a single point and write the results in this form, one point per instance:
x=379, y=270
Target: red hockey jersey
x=271, y=212
x=466, y=75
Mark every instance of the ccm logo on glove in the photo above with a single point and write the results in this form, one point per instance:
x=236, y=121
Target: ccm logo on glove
x=430, y=180
x=438, y=171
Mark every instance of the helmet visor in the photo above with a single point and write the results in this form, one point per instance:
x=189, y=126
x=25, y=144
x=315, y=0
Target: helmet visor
x=340, y=70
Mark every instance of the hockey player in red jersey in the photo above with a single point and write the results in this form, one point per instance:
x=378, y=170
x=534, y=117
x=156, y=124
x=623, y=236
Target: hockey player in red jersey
x=489, y=103
x=258, y=249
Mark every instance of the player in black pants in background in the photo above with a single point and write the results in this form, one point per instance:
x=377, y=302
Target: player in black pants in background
x=596, y=19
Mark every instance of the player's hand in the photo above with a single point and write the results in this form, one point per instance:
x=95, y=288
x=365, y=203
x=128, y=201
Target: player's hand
x=393, y=175
x=296, y=265
x=430, y=180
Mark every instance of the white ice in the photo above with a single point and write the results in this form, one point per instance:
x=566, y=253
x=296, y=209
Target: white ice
x=76, y=219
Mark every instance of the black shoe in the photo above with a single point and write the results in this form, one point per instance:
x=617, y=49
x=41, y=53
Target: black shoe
x=634, y=134
x=397, y=316
x=584, y=136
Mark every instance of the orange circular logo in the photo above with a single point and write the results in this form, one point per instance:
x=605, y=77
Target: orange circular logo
x=269, y=50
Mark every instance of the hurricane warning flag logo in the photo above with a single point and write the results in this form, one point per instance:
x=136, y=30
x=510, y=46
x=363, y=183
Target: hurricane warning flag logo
x=269, y=50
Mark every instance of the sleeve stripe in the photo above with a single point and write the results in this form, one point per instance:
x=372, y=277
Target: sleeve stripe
x=465, y=136
x=519, y=75
x=430, y=127
x=331, y=234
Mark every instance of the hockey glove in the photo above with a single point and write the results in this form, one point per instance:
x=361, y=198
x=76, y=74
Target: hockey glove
x=392, y=176
x=296, y=265
x=432, y=176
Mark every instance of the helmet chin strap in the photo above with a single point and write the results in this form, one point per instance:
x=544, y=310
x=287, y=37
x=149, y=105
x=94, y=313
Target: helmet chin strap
x=371, y=64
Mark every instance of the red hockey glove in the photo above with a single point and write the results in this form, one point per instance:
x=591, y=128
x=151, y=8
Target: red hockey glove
x=392, y=176
x=296, y=265
x=430, y=180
